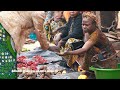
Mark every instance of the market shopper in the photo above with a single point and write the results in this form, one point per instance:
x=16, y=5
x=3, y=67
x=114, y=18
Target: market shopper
x=22, y=24
x=15, y=27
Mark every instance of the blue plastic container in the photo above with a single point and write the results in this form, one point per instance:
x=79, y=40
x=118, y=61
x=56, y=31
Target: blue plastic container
x=33, y=36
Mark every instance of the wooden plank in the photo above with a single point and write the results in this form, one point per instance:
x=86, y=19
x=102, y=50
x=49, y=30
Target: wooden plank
x=116, y=45
x=118, y=51
x=118, y=23
x=111, y=36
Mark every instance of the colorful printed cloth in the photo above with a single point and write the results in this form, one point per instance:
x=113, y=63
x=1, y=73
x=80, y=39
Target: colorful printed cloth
x=51, y=27
x=101, y=55
x=72, y=44
x=7, y=55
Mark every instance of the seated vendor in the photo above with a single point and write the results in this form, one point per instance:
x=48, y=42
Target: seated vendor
x=71, y=37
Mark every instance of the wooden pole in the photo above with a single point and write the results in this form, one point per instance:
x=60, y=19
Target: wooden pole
x=99, y=19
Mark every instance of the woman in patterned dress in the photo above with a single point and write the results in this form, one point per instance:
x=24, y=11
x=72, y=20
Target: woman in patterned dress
x=97, y=50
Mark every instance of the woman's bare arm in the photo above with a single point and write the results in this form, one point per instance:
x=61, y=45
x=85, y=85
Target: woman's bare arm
x=86, y=37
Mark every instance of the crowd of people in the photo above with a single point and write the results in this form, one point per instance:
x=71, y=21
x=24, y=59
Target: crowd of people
x=75, y=35
x=84, y=43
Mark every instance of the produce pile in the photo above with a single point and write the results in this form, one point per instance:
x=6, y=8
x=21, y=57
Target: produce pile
x=23, y=61
x=28, y=69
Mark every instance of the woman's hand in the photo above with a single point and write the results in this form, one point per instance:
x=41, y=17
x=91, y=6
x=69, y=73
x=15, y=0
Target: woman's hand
x=53, y=48
x=61, y=43
x=64, y=53
x=57, y=38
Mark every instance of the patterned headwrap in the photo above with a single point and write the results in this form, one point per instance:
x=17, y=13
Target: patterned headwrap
x=90, y=15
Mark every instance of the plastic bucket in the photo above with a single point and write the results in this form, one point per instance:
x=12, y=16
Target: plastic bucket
x=106, y=73
x=118, y=65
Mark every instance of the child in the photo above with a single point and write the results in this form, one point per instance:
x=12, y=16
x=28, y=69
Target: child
x=54, y=23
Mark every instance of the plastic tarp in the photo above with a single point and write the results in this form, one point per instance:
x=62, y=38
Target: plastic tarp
x=48, y=55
